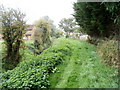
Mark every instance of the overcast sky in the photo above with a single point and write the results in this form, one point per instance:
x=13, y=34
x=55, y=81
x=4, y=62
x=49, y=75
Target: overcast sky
x=34, y=9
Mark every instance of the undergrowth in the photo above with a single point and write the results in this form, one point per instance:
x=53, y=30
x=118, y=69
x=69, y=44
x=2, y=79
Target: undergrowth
x=108, y=50
x=34, y=72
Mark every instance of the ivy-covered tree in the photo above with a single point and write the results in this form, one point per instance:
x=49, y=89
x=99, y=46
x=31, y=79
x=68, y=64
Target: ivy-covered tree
x=13, y=28
x=53, y=27
x=41, y=35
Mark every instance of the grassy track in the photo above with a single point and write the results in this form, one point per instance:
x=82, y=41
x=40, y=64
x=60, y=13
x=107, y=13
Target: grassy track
x=0, y=56
x=83, y=69
x=66, y=74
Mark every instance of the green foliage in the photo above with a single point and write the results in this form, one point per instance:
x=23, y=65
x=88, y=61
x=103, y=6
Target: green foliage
x=42, y=34
x=34, y=73
x=31, y=48
x=67, y=24
x=67, y=36
x=108, y=49
x=83, y=69
x=53, y=27
x=58, y=33
x=67, y=64
x=79, y=30
x=114, y=9
x=96, y=18
x=13, y=26
x=94, y=40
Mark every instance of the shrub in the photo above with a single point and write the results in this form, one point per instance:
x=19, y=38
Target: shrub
x=58, y=34
x=94, y=40
x=67, y=36
x=34, y=73
x=41, y=33
x=108, y=49
x=96, y=18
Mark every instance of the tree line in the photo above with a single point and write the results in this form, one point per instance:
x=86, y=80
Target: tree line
x=98, y=19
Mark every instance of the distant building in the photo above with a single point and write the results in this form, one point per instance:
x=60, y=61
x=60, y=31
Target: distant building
x=29, y=32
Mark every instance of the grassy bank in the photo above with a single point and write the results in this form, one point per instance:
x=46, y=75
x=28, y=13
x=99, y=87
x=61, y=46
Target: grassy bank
x=83, y=69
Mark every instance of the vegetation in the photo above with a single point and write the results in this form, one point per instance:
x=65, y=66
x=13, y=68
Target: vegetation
x=53, y=27
x=50, y=61
x=13, y=26
x=108, y=49
x=113, y=8
x=97, y=19
x=64, y=65
x=0, y=57
x=34, y=73
x=83, y=69
x=68, y=25
x=42, y=35
x=101, y=20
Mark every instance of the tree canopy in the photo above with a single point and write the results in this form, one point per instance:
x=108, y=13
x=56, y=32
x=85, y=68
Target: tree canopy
x=67, y=24
x=41, y=34
x=96, y=18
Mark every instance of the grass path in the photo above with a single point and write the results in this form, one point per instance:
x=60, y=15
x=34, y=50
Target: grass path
x=66, y=74
x=84, y=70
x=0, y=56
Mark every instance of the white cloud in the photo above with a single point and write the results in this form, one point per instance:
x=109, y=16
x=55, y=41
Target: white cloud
x=34, y=9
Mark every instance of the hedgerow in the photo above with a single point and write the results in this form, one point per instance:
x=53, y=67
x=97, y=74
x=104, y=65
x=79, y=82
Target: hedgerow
x=108, y=50
x=34, y=73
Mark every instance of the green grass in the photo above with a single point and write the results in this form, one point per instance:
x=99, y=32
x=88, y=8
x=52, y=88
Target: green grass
x=83, y=69
x=1, y=56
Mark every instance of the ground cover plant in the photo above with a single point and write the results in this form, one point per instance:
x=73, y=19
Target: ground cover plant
x=34, y=73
